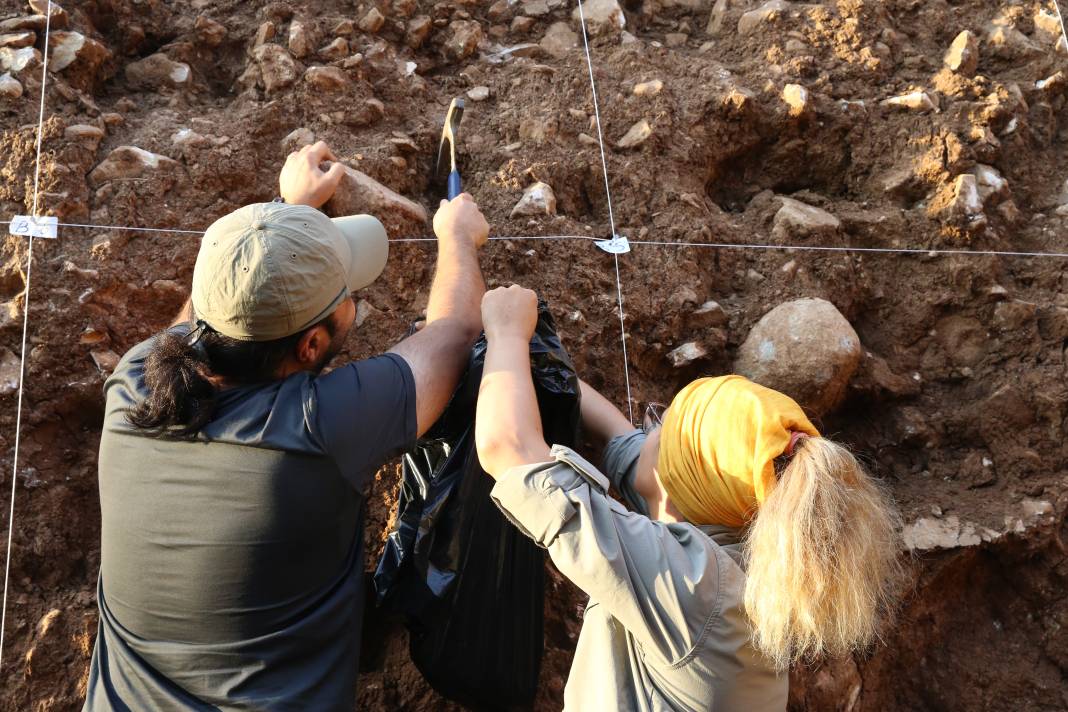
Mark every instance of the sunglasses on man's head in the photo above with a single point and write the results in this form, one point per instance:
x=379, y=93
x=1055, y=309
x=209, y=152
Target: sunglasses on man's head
x=654, y=417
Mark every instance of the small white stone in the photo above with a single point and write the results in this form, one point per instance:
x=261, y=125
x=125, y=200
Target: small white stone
x=479, y=93
x=10, y=87
x=636, y=136
x=686, y=354
x=914, y=101
x=649, y=88
x=538, y=199
x=796, y=97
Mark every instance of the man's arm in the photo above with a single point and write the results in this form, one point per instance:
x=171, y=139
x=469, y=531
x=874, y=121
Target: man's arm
x=438, y=353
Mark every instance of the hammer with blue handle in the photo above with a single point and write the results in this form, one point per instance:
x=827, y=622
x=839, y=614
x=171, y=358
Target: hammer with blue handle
x=448, y=133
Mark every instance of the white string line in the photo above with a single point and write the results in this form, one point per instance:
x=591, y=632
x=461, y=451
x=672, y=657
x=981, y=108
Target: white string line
x=623, y=340
x=933, y=252
x=512, y=238
x=597, y=116
x=25, y=330
x=135, y=229
x=1060, y=18
x=608, y=199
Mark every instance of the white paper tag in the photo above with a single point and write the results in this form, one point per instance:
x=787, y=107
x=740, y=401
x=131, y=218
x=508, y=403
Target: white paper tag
x=618, y=245
x=29, y=226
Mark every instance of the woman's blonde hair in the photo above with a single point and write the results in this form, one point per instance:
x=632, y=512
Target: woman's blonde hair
x=824, y=571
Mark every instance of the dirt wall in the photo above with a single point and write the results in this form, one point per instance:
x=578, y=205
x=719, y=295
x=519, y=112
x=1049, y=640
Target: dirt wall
x=959, y=401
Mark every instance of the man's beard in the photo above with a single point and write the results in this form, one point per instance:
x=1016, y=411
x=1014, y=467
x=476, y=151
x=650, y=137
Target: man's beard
x=337, y=342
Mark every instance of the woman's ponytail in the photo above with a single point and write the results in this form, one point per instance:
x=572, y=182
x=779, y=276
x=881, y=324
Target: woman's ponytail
x=823, y=558
x=181, y=399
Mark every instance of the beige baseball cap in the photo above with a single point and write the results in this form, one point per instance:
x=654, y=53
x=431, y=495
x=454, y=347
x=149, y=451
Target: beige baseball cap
x=270, y=270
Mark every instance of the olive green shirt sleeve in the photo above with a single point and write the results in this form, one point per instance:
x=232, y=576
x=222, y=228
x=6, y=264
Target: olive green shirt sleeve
x=659, y=580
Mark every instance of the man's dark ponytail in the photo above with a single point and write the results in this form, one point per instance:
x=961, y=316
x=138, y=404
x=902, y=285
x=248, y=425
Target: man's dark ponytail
x=181, y=399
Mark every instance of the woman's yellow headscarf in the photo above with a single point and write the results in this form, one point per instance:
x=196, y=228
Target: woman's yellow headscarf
x=718, y=444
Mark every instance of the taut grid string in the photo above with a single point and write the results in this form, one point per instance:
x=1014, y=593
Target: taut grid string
x=611, y=215
x=25, y=330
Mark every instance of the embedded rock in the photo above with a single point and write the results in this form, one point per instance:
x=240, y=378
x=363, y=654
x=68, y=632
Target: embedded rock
x=479, y=93
x=965, y=200
x=44, y=9
x=805, y=349
x=649, y=88
x=301, y=42
x=15, y=60
x=990, y=183
x=277, y=69
x=752, y=20
x=326, y=78
x=19, y=24
x=80, y=58
x=372, y=22
x=209, y=32
x=914, y=101
x=85, y=134
x=559, y=40
x=127, y=162
x=796, y=97
x=538, y=199
x=338, y=49
x=10, y=370
x=70, y=47
x=359, y=193
x=601, y=15
x=464, y=38
x=297, y=139
x=636, y=135
x=797, y=219
x=963, y=55
x=686, y=354
x=16, y=40
x=157, y=71
x=10, y=88
x=417, y=31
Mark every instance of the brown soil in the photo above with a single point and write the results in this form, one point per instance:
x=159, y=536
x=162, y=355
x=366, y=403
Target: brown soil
x=960, y=405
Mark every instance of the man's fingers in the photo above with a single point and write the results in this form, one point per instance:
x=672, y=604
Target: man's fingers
x=320, y=152
x=335, y=173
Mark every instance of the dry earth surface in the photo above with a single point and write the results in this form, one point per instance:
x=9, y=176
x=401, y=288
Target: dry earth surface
x=856, y=122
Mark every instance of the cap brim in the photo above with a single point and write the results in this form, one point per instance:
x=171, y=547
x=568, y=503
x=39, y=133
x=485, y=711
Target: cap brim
x=368, y=247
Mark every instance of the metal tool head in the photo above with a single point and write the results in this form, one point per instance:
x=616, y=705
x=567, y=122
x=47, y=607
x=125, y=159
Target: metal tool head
x=449, y=131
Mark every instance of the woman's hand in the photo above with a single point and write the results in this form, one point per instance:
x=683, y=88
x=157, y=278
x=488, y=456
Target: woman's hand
x=510, y=312
x=507, y=422
x=302, y=180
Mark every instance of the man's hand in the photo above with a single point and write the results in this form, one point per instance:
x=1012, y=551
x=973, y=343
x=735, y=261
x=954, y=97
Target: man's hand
x=460, y=219
x=510, y=313
x=303, y=182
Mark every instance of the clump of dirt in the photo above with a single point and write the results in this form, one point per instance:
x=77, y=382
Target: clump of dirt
x=960, y=400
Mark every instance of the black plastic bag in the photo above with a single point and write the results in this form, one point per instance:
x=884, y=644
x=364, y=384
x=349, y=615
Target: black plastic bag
x=469, y=584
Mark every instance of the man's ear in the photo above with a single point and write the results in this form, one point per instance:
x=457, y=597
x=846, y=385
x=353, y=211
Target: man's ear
x=312, y=345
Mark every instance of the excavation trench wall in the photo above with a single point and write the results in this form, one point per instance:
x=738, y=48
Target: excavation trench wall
x=959, y=401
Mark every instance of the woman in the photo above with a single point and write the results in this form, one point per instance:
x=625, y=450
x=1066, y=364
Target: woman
x=754, y=542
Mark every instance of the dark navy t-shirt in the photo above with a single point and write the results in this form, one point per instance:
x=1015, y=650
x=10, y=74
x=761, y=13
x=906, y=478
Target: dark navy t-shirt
x=231, y=566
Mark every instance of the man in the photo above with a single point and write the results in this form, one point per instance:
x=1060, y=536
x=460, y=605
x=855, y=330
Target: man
x=231, y=470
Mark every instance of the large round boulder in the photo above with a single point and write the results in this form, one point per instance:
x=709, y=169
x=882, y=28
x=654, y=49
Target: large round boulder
x=805, y=349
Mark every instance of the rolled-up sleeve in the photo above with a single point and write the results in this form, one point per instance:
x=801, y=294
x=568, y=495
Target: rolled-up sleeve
x=660, y=581
x=621, y=465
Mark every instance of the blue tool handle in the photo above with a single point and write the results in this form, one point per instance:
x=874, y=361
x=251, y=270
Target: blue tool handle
x=454, y=184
